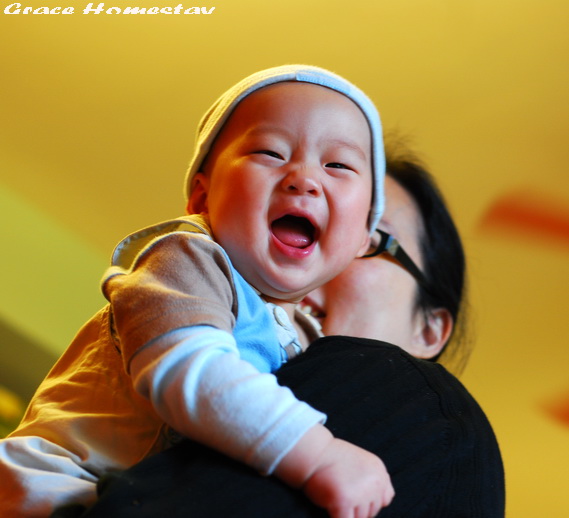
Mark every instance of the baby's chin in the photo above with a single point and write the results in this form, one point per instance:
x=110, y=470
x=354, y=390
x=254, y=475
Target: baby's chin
x=282, y=298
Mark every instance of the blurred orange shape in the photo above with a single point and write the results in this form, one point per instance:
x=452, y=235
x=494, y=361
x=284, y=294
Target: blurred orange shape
x=557, y=407
x=529, y=214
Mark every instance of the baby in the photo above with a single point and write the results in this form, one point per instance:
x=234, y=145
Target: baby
x=201, y=309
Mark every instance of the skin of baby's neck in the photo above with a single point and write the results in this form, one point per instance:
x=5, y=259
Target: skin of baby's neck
x=289, y=308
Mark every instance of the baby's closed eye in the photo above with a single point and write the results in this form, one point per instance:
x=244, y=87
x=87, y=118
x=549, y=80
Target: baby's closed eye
x=270, y=153
x=337, y=165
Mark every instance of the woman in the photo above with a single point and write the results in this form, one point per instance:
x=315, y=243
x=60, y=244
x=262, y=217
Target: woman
x=434, y=439
x=420, y=308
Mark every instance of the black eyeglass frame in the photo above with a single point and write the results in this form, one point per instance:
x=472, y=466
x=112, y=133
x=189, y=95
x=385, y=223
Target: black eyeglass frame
x=388, y=244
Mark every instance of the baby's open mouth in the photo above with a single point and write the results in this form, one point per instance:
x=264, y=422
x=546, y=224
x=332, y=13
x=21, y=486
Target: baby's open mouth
x=294, y=231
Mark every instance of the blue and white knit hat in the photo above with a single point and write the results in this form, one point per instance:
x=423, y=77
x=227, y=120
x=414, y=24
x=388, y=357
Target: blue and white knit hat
x=214, y=119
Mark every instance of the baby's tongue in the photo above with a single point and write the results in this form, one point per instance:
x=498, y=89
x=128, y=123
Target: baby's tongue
x=293, y=231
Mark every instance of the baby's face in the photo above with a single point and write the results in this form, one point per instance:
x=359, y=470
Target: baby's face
x=287, y=187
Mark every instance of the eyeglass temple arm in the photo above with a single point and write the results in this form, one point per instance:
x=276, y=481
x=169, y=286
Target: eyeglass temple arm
x=395, y=249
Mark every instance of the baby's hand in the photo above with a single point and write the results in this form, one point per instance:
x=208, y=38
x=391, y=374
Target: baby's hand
x=348, y=481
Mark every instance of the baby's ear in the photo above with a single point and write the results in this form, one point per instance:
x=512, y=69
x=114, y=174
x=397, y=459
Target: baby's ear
x=197, y=203
x=365, y=244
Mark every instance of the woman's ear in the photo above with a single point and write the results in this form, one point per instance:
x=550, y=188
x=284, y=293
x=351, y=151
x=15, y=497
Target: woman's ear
x=197, y=203
x=433, y=330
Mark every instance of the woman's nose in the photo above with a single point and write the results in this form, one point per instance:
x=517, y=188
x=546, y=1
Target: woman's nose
x=303, y=180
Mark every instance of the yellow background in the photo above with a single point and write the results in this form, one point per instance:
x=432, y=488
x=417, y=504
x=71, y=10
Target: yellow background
x=97, y=118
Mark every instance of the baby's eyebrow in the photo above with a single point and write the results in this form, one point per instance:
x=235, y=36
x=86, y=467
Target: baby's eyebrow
x=354, y=146
x=267, y=129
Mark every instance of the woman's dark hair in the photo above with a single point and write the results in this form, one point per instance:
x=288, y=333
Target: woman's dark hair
x=444, y=264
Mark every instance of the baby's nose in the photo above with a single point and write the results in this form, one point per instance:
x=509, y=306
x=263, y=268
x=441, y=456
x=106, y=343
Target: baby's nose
x=303, y=180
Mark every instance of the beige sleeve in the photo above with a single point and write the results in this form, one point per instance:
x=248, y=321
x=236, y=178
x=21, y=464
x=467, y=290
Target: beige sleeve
x=181, y=280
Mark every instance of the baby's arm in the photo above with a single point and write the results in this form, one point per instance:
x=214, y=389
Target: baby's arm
x=348, y=481
x=200, y=387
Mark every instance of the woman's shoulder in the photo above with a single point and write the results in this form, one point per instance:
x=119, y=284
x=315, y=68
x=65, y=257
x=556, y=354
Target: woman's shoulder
x=418, y=417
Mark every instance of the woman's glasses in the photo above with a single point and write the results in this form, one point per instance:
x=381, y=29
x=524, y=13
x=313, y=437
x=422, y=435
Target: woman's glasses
x=382, y=242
